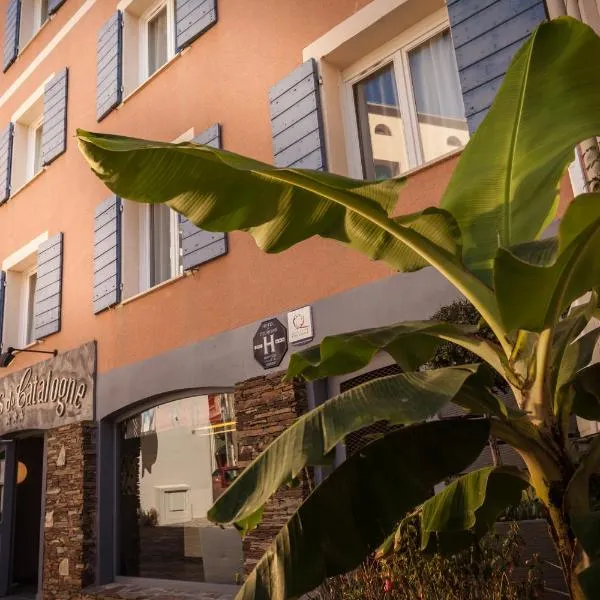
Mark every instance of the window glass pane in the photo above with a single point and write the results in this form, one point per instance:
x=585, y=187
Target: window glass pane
x=160, y=243
x=157, y=41
x=43, y=11
x=381, y=133
x=176, y=459
x=37, y=150
x=31, y=283
x=438, y=97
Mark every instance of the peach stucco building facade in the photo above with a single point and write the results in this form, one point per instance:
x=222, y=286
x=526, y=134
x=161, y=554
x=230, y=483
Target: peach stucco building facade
x=180, y=387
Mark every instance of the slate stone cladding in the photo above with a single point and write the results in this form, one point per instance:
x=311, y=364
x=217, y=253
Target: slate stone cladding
x=70, y=511
x=265, y=406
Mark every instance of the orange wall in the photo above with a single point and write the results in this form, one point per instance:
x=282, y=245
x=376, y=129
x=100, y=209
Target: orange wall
x=223, y=78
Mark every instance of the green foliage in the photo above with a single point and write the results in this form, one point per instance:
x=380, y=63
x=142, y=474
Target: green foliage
x=559, y=269
x=313, y=436
x=469, y=505
x=499, y=568
x=483, y=240
x=504, y=190
x=459, y=312
x=327, y=536
x=530, y=507
x=448, y=353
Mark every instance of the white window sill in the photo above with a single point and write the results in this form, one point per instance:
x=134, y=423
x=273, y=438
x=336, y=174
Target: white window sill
x=154, y=288
x=154, y=75
x=31, y=344
x=27, y=183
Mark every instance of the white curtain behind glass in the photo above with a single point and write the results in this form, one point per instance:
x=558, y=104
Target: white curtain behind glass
x=157, y=41
x=160, y=243
x=438, y=97
x=435, y=78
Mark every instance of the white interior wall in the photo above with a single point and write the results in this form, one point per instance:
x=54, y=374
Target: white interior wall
x=183, y=459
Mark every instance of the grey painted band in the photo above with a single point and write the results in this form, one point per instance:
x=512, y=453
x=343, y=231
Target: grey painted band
x=227, y=358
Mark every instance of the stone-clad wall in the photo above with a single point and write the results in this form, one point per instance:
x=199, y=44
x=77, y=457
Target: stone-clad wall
x=264, y=407
x=70, y=511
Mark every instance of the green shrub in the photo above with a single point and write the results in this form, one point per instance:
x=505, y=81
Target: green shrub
x=494, y=570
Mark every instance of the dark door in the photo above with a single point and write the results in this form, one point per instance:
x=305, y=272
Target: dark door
x=7, y=494
x=28, y=511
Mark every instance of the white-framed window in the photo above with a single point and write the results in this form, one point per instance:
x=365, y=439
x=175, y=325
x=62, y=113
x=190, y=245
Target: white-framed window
x=19, y=302
x=27, y=142
x=151, y=246
x=34, y=13
x=28, y=283
x=157, y=37
x=149, y=39
x=402, y=104
x=35, y=146
x=160, y=245
x=151, y=252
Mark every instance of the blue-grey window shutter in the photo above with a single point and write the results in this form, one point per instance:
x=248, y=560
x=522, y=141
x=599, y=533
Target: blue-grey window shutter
x=107, y=254
x=54, y=132
x=2, y=294
x=199, y=246
x=486, y=36
x=6, y=145
x=109, y=66
x=54, y=5
x=48, y=289
x=11, y=32
x=192, y=19
x=296, y=120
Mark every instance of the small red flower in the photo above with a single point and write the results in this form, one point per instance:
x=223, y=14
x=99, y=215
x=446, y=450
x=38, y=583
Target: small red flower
x=388, y=585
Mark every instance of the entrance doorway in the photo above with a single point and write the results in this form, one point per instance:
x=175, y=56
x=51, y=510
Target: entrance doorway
x=29, y=468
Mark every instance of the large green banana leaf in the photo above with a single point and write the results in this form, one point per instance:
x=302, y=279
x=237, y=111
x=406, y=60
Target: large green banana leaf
x=558, y=269
x=578, y=355
x=469, y=505
x=410, y=344
x=354, y=509
x=222, y=191
x=585, y=387
x=584, y=520
x=400, y=399
x=504, y=189
x=565, y=333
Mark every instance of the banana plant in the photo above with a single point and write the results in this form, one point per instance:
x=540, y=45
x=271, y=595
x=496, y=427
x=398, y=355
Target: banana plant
x=486, y=239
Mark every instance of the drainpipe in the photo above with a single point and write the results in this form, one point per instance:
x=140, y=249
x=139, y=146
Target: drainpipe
x=588, y=150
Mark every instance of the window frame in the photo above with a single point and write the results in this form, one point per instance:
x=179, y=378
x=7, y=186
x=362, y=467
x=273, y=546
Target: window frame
x=18, y=266
x=34, y=127
x=144, y=20
x=146, y=247
x=39, y=18
x=26, y=120
x=26, y=319
x=394, y=52
x=32, y=20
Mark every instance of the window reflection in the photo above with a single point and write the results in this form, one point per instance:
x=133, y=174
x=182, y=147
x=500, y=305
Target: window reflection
x=176, y=459
x=381, y=133
x=436, y=116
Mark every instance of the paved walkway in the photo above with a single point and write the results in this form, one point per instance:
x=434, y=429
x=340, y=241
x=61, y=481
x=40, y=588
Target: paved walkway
x=160, y=590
